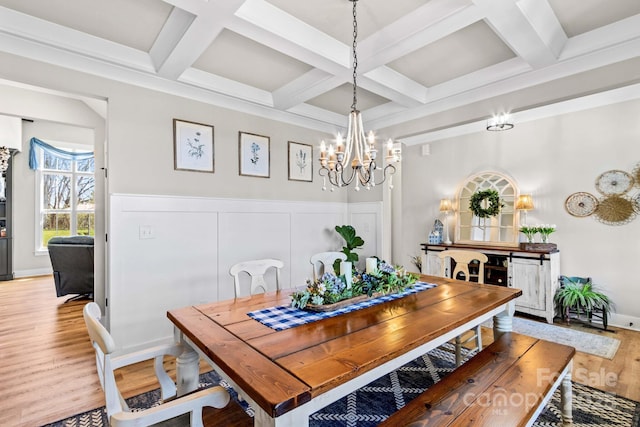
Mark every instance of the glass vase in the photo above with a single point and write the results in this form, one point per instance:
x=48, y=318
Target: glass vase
x=544, y=238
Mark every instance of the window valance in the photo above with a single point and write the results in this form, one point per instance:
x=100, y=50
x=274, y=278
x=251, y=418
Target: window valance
x=54, y=151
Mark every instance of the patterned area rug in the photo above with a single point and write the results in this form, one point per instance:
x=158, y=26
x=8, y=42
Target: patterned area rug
x=371, y=404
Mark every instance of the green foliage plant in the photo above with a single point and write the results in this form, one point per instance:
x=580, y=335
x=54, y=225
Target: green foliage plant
x=580, y=297
x=352, y=241
x=494, y=204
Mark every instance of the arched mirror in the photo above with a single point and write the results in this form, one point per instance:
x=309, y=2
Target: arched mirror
x=486, y=210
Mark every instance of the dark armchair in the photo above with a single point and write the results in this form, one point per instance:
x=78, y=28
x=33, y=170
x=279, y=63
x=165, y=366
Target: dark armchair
x=72, y=262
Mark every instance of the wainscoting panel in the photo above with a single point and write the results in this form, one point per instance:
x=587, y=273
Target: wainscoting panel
x=319, y=229
x=366, y=218
x=167, y=252
x=252, y=235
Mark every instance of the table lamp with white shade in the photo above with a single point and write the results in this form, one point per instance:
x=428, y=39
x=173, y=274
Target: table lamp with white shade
x=446, y=207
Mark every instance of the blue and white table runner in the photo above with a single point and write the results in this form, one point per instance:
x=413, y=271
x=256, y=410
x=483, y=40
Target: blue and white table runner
x=284, y=317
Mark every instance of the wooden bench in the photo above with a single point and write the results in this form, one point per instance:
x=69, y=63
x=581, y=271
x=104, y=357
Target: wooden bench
x=506, y=384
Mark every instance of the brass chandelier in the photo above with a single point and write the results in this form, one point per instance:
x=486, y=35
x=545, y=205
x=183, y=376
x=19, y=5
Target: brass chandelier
x=357, y=151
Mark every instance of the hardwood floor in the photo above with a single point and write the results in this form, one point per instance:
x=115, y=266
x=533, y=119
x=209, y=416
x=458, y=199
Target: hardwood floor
x=47, y=366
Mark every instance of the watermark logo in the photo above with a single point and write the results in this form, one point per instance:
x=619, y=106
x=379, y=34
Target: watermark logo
x=498, y=400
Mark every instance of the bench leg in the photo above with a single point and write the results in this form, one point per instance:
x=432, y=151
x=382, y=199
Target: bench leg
x=458, y=351
x=566, y=397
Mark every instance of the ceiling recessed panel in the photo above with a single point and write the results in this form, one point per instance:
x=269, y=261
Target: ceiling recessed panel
x=134, y=24
x=241, y=59
x=581, y=16
x=339, y=100
x=470, y=49
x=335, y=18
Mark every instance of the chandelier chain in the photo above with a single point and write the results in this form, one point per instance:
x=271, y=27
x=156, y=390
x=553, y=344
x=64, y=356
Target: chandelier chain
x=354, y=159
x=355, y=57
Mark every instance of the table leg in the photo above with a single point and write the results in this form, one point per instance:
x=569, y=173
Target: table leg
x=295, y=418
x=503, y=322
x=566, y=397
x=187, y=369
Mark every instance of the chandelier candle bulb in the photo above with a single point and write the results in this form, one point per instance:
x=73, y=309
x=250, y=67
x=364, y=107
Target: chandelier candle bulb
x=390, y=154
x=346, y=271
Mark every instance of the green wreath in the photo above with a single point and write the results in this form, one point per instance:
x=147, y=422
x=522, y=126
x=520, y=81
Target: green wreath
x=492, y=197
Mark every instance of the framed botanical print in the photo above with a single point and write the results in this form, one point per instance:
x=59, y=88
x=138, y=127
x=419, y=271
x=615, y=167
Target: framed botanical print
x=254, y=157
x=192, y=146
x=300, y=162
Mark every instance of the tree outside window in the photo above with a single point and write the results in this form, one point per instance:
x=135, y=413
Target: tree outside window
x=67, y=199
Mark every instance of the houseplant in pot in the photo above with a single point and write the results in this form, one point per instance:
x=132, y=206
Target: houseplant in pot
x=578, y=298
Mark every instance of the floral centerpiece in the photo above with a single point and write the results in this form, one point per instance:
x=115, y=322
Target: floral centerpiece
x=331, y=289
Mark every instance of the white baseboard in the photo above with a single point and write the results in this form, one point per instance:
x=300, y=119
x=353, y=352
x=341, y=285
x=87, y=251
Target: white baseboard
x=624, y=321
x=35, y=272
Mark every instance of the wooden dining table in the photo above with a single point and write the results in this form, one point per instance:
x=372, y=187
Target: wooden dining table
x=286, y=375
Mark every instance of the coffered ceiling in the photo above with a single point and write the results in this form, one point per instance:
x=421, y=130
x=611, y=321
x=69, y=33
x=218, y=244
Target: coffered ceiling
x=423, y=65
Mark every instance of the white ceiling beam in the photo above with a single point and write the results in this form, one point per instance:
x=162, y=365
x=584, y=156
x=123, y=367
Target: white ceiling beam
x=62, y=38
x=380, y=80
x=264, y=23
x=380, y=111
x=544, y=22
x=486, y=76
x=394, y=86
x=185, y=43
x=614, y=96
x=518, y=32
x=222, y=85
x=601, y=38
x=428, y=24
x=596, y=59
x=172, y=31
x=84, y=64
x=308, y=86
x=339, y=121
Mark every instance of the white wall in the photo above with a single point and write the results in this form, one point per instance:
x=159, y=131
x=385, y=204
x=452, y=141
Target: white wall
x=551, y=159
x=196, y=240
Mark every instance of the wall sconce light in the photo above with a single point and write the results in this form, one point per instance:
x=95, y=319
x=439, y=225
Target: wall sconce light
x=524, y=203
x=446, y=207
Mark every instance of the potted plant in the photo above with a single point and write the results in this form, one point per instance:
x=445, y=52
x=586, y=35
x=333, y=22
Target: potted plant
x=578, y=297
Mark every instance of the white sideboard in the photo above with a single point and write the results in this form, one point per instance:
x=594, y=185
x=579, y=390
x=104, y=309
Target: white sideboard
x=535, y=272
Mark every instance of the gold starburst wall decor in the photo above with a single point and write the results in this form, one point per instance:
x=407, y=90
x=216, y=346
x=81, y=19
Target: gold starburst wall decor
x=615, y=210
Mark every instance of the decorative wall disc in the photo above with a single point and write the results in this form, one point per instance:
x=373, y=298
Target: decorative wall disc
x=615, y=210
x=636, y=203
x=614, y=182
x=581, y=204
x=636, y=174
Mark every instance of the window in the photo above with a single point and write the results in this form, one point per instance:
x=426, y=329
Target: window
x=500, y=229
x=66, y=198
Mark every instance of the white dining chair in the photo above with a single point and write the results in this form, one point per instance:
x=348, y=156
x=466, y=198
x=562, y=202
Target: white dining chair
x=322, y=262
x=256, y=269
x=462, y=259
x=117, y=409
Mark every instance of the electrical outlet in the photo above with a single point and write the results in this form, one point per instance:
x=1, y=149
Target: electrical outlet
x=146, y=232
